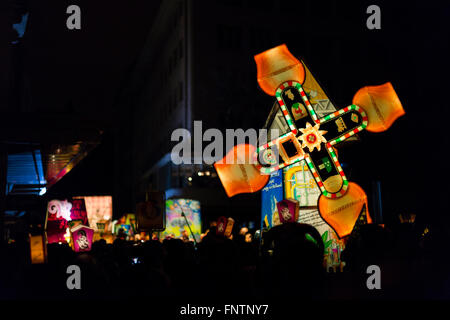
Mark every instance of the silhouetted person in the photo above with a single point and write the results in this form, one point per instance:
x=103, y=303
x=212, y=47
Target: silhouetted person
x=294, y=261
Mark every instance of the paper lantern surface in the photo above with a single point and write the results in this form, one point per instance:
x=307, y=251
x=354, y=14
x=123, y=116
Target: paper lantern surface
x=99, y=210
x=300, y=184
x=276, y=66
x=288, y=210
x=221, y=226
x=126, y=229
x=59, y=213
x=381, y=104
x=243, y=176
x=74, y=223
x=58, y=209
x=38, y=249
x=229, y=228
x=270, y=195
x=78, y=211
x=176, y=223
x=150, y=214
x=342, y=213
x=82, y=237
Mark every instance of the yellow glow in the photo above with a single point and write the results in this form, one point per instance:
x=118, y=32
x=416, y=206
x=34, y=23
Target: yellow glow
x=312, y=137
x=67, y=235
x=290, y=185
x=37, y=249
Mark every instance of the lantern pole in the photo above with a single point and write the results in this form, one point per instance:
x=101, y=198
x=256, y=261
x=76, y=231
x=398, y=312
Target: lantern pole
x=187, y=222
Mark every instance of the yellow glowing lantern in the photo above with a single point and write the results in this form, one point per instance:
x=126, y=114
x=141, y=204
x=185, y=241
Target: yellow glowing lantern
x=237, y=173
x=342, y=213
x=381, y=105
x=67, y=236
x=38, y=249
x=229, y=228
x=276, y=66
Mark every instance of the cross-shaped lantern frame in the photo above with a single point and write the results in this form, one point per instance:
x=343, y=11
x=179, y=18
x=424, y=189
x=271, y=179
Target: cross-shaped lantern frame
x=311, y=138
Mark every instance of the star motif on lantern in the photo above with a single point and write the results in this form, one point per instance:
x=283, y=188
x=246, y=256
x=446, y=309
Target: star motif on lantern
x=312, y=137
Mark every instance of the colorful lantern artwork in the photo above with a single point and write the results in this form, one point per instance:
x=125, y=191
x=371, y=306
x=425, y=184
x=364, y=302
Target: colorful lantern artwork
x=131, y=220
x=312, y=137
x=288, y=210
x=229, y=227
x=60, y=214
x=176, y=223
x=270, y=195
x=82, y=237
x=99, y=210
x=123, y=226
x=74, y=223
x=221, y=225
x=59, y=209
x=78, y=211
x=300, y=184
x=224, y=226
x=126, y=229
x=101, y=227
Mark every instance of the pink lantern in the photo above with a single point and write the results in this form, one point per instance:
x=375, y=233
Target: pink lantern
x=288, y=210
x=82, y=238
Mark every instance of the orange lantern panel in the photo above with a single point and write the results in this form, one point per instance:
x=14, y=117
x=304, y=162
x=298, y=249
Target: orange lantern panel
x=381, y=105
x=240, y=176
x=277, y=65
x=343, y=213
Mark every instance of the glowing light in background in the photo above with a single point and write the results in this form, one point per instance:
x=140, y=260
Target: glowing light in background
x=43, y=191
x=20, y=27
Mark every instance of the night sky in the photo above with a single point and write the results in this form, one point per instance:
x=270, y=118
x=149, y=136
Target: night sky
x=83, y=67
x=87, y=68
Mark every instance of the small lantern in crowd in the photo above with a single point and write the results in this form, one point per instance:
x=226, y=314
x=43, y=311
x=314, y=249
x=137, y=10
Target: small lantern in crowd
x=82, y=238
x=288, y=210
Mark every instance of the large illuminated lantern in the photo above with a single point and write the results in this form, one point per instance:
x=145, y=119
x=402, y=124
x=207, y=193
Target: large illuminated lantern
x=60, y=214
x=312, y=138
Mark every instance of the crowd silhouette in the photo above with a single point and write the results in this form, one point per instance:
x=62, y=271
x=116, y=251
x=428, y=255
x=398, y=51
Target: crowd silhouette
x=286, y=261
